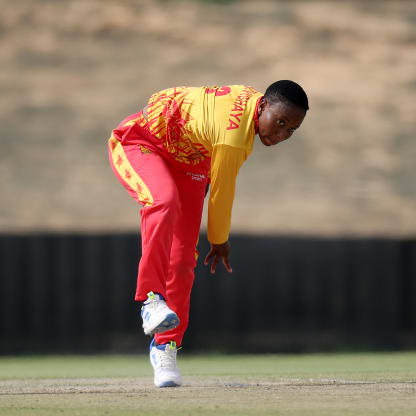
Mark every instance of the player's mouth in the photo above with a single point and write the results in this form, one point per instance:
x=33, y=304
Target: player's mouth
x=266, y=141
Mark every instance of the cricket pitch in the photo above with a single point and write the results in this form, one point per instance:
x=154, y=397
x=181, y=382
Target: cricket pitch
x=314, y=384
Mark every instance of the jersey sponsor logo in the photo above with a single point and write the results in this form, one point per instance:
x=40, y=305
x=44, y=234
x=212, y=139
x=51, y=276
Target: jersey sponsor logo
x=236, y=112
x=196, y=176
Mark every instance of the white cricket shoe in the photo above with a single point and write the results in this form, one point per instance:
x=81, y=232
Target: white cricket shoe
x=163, y=359
x=156, y=315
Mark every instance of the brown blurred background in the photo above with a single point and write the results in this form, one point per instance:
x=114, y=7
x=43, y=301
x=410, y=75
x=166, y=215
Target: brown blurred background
x=324, y=225
x=71, y=70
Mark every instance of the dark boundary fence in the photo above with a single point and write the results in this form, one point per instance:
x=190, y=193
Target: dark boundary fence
x=74, y=293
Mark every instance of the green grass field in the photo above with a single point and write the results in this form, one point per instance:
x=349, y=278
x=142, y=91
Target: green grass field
x=313, y=384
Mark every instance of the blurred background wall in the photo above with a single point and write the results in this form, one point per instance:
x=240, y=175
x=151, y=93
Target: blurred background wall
x=333, y=209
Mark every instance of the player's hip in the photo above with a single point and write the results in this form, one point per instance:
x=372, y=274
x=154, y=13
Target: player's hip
x=179, y=151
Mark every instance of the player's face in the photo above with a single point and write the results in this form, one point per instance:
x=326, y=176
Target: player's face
x=278, y=121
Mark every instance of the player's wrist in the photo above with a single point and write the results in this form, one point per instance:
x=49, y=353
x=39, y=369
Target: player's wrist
x=220, y=245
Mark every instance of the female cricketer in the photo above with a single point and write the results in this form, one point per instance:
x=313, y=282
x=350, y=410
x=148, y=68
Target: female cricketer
x=165, y=155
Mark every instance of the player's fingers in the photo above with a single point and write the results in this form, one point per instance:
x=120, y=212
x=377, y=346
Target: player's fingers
x=227, y=264
x=214, y=264
x=208, y=257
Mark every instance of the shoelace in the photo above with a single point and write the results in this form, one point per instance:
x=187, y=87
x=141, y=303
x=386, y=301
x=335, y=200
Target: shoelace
x=168, y=357
x=152, y=303
x=152, y=300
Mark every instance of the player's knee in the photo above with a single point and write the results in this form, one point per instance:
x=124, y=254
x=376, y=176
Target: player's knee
x=185, y=270
x=169, y=201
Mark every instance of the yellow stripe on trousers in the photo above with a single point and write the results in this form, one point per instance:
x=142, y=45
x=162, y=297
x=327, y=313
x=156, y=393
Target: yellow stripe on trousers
x=126, y=171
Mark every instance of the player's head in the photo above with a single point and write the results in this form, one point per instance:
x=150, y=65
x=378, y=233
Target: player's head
x=281, y=111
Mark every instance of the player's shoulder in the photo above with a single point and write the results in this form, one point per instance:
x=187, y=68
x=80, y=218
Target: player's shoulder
x=172, y=91
x=216, y=90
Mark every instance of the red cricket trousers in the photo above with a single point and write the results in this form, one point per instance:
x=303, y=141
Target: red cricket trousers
x=172, y=195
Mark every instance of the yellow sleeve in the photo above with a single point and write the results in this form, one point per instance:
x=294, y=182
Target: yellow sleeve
x=225, y=163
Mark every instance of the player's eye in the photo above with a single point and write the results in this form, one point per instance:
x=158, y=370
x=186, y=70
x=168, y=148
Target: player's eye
x=281, y=123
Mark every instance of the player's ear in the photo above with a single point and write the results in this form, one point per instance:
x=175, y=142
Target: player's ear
x=262, y=105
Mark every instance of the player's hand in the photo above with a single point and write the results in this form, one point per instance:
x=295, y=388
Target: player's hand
x=216, y=253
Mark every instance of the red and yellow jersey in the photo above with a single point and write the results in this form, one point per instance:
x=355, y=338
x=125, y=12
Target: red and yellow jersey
x=197, y=123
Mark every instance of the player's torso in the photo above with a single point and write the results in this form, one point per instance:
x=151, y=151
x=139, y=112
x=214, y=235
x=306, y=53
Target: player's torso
x=189, y=121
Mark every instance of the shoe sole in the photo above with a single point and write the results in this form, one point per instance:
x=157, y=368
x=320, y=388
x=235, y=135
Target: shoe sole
x=169, y=322
x=168, y=384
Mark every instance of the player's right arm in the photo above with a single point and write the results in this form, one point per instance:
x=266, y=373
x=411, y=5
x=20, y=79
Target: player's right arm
x=231, y=133
x=225, y=164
